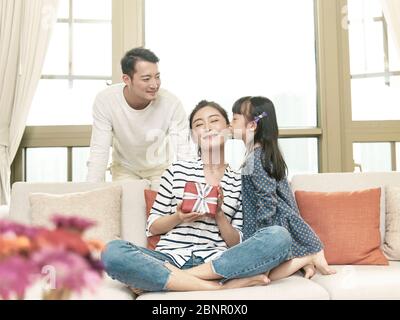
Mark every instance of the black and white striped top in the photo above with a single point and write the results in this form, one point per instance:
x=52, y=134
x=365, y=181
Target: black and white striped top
x=201, y=237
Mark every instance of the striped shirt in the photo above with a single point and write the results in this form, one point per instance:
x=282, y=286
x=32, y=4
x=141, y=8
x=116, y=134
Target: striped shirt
x=202, y=237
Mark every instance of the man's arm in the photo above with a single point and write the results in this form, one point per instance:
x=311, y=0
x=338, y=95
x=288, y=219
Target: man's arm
x=179, y=134
x=99, y=144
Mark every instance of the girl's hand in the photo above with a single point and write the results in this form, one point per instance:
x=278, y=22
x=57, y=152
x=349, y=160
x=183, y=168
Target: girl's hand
x=187, y=217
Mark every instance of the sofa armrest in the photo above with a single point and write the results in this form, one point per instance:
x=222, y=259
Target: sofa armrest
x=4, y=210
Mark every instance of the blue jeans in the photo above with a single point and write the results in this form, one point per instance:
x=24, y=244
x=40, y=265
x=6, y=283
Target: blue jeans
x=145, y=269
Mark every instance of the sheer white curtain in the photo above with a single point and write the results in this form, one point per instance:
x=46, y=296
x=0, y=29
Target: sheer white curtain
x=391, y=11
x=25, y=28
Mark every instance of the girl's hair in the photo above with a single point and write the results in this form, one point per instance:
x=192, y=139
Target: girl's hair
x=262, y=110
x=202, y=104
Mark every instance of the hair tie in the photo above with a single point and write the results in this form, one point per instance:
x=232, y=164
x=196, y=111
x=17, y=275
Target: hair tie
x=262, y=115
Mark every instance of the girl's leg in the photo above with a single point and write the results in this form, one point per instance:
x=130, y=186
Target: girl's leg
x=149, y=270
x=179, y=280
x=289, y=267
x=265, y=250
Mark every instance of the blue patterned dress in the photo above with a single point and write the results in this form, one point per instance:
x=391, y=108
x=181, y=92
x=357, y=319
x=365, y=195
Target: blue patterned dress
x=267, y=202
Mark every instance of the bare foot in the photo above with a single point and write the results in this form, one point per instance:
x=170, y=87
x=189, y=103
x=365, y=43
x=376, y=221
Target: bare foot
x=258, y=280
x=137, y=291
x=309, y=271
x=321, y=264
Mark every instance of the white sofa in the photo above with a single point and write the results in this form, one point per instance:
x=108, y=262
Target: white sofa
x=350, y=282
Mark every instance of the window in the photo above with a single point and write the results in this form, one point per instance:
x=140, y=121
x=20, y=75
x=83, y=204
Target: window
x=79, y=170
x=372, y=156
x=77, y=65
x=46, y=164
x=222, y=50
x=58, y=164
x=80, y=157
x=397, y=156
x=301, y=155
x=374, y=63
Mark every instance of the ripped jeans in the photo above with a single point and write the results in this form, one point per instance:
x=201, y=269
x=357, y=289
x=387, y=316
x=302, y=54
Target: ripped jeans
x=145, y=269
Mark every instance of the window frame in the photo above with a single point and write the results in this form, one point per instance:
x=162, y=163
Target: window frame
x=359, y=131
x=335, y=129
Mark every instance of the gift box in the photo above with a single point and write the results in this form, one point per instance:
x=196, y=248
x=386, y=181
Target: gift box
x=201, y=198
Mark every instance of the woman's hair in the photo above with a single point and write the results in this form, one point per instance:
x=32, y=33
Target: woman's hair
x=202, y=104
x=262, y=110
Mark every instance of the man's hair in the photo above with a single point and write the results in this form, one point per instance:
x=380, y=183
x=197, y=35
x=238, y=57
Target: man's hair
x=128, y=62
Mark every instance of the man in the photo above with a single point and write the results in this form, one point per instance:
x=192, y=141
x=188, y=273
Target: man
x=138, y=119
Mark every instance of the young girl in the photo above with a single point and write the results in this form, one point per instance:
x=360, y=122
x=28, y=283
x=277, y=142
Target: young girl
x=267, y=197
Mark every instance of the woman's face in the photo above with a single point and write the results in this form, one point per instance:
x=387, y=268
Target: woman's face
x=209, y=128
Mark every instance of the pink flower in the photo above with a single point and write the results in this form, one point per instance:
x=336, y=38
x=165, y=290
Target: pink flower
x=71, y=222
x=72, y=271
x=16, y=274
x=25, y=251
x=18, y=229
x=62, y=239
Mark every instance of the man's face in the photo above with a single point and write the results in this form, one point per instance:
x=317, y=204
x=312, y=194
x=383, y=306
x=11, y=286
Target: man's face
x=145, y=82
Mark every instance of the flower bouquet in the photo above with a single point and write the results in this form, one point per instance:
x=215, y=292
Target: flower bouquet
x=60, y=257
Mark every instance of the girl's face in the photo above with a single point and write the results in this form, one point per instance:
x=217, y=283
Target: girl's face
x=208, y=128
x=241, y=128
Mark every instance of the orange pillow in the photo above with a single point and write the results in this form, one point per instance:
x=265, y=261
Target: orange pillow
x=347, y=224
x=150, y=196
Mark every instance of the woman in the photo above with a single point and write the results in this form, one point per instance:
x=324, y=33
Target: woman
x=213, y=244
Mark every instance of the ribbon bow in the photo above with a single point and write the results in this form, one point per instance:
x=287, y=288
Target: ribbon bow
x=202, y=201
x=262, y=115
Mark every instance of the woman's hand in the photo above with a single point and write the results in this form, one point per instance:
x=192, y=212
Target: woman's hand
x=187, y=217
x=220, y=201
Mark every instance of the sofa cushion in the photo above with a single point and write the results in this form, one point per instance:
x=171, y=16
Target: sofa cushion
x=4, y=212
x=391, y=246
x=293, y=288
x=101, y=205
x=133, y=204
x=108, y=289
x=362, y=282
x=331, y=182
x=347, y=224
x=150, y=197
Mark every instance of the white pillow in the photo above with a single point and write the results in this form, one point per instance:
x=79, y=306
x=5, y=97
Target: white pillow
x=4, y=212
x=101, y=205
x=391, y=247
